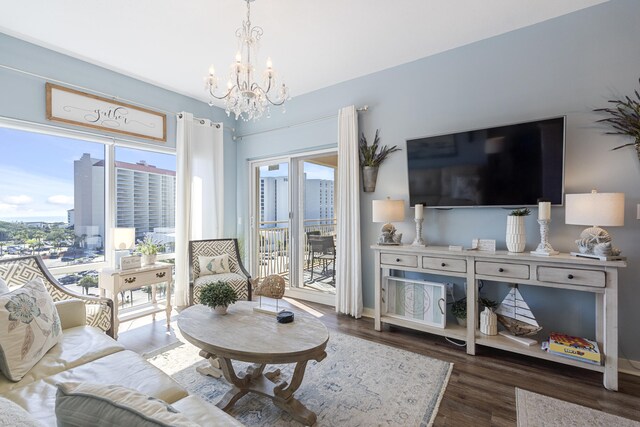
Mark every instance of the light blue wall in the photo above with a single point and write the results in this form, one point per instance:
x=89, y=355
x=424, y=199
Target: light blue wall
x=23, y=97
x=565, y=66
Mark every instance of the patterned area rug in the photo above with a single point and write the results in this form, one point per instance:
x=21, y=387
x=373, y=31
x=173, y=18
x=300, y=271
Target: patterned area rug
x=536, y=410
x=359, y=383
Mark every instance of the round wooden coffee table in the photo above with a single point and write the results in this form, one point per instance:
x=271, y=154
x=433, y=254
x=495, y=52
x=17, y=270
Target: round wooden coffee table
x=257, y=338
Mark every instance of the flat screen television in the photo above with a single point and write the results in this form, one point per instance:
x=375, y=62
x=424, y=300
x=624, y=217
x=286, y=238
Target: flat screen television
x=512, y=165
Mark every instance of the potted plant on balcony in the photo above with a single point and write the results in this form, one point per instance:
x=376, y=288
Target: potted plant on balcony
x=149, y=249
x=371, y=158
x=218, y=295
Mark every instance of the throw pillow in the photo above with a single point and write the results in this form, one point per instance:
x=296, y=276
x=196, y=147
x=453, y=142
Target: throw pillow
x=3, y=287
x=113, y=405
x=214, y=264
x=29, y=327
x=12, y=414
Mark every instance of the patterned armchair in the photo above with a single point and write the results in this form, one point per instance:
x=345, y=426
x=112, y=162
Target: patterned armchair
x=18, y=271
x=238, y=278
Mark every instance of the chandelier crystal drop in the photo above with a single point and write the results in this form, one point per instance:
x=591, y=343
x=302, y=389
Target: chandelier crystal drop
x=244, y=96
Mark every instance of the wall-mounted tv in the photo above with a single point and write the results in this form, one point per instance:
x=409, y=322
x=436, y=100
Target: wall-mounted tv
x=512, y=165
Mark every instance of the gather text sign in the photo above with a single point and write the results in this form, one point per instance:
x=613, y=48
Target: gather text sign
x=78, y=108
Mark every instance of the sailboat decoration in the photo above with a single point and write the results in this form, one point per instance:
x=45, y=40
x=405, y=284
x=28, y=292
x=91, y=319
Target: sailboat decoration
x=516, y=316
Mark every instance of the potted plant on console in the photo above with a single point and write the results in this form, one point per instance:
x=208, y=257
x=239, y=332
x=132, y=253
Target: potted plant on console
x=149, y=249
x=516, y=233
x=371, y=159
x=459, y=310
x=218, y=295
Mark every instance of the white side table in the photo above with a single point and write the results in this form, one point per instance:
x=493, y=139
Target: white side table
x=112, y=282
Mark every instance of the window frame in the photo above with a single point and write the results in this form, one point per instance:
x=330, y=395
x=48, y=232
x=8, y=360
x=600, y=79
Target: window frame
x=110, y=143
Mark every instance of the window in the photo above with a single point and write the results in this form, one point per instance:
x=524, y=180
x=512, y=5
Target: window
x=52, y=194
x=145, y=187
x=53, y=200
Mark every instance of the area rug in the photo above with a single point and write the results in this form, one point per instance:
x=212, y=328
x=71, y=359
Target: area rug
x=359, y=383
x=536, y=410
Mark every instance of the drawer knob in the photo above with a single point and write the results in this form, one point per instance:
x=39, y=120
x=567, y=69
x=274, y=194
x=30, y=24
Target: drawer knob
x=397, y=259
x=501, y=270
x=570, y=276
x=443, y=265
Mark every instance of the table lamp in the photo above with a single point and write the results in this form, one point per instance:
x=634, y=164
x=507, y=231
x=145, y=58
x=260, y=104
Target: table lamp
x=387, y=211
x=595, y=209
x=124, y=239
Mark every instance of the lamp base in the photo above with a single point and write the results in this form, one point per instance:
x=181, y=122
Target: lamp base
x=600, y=257
x=388, y=235
x=118, y=255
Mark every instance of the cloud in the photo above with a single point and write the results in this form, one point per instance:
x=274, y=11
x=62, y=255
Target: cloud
x=6, y=207
x=18, y=200
x=60, y=199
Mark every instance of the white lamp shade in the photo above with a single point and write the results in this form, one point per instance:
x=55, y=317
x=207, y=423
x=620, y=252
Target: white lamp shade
x=598, y=209
x=388, y=210
x=124, y=238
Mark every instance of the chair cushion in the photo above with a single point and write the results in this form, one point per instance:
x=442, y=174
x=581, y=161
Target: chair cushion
x=204, y=413
x=124, y=368
x=236, y=281
x=214, y=264
x=32, y=328
x=91, y=404
x=78, y=345
x=12, y=414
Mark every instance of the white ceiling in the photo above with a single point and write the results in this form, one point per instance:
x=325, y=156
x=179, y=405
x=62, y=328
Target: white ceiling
x=313, y=44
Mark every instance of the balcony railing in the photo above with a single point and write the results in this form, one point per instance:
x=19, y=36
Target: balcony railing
x=274, y=244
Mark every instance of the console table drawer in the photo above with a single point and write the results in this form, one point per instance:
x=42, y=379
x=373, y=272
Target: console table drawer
x=572, y=276
x=399, y=259
x=498, y=269
x=145, y=278
x=444, y=264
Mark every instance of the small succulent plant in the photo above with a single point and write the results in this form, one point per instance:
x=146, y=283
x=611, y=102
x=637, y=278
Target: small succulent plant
x=520, y=212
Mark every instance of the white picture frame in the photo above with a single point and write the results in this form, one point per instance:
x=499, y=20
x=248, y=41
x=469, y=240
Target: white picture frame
x=73, y=107
x=130, y=262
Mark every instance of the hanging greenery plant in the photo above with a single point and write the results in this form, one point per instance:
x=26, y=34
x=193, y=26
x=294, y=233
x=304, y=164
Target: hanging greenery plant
x=624, y=118
x=371, y=157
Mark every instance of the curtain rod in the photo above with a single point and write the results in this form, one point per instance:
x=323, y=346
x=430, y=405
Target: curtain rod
x=362, y=109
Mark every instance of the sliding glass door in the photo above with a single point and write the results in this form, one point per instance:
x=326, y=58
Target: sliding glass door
x=294, y=225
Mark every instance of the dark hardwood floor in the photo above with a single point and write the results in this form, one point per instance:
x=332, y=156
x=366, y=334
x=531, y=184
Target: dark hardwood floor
x=481, y=390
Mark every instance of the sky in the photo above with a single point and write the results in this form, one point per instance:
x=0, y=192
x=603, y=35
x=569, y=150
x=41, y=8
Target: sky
x=36, y=173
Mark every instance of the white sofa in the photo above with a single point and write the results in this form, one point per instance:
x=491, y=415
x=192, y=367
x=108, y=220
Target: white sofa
x=87, y=354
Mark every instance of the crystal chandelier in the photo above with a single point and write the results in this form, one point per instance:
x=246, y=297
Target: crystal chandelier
x=245, y=97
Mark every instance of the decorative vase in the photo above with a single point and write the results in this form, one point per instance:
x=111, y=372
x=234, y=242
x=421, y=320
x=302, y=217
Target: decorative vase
x=369, y=178
x=149, y=259
x=220, y=309
x=462, y=321
x=516, y=234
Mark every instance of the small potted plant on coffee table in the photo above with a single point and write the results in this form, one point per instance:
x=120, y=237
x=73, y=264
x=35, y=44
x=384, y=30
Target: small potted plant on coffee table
x=218, y=295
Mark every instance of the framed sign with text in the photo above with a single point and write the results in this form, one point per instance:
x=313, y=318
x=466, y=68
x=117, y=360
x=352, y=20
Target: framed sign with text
x=83, y=109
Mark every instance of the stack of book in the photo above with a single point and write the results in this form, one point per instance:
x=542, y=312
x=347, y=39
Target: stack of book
x=575, y=348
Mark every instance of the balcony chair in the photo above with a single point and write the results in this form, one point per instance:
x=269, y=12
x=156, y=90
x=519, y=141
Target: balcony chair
x=238, y=277
x=313, y=233
x=19, y=271
x=323, y=248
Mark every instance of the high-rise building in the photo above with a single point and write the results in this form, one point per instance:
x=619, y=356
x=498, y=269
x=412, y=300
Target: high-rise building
x=145, y=199
x=71, y=217
x=274, y=201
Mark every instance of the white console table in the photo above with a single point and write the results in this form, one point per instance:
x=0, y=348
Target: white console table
x=562, y=272
x=112, y=282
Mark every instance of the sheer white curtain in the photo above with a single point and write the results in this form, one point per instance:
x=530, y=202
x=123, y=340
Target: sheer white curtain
x=200, y=191
x=348, y=268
